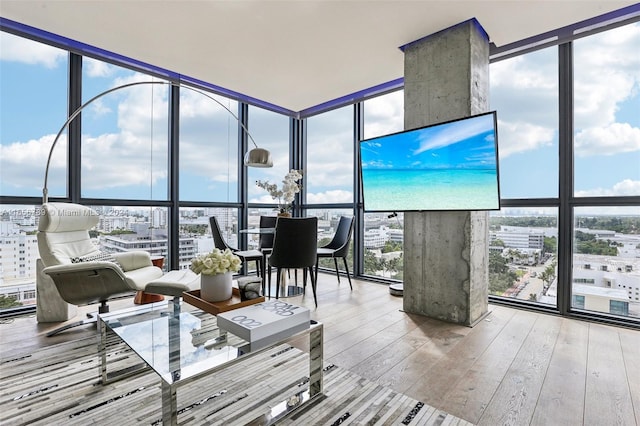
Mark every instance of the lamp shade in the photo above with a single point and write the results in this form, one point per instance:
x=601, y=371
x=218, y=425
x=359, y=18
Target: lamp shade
x=258, y=157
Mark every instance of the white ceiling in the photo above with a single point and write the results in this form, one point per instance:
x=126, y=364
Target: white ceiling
x=295, y=54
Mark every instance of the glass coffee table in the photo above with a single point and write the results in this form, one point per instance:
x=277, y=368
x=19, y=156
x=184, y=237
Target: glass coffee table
x=183, y=347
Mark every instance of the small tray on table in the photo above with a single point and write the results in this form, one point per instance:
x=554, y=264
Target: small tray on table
x=214, y=308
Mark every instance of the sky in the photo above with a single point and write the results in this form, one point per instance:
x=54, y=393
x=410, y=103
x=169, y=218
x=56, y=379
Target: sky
x=125, y=150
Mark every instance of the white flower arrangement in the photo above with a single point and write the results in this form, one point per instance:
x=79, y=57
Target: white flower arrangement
x=286, y=195
x=216, y=262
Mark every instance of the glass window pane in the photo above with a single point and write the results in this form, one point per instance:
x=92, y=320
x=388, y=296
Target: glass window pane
x=384, y=245
x=606, y=260
x=33, y=101
x=129, y=228
x=327, y=226
x=607, y=117
x=384, y=114
x=524, y=92
x=124, y=135
x=18, y=255
x=270, y=131
x=195, y=227
x=330, y=157
x=383, y=239
x=208, y=148
x=523, y=249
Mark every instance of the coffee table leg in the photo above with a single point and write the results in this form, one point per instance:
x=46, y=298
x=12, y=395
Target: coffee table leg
x=102, y=351
x=315, y=361
x=169, y=405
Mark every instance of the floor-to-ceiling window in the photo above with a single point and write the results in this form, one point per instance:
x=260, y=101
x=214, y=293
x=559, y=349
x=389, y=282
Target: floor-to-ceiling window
x=383, y=233
x=330, y=173
x=208, y=171
x=33, y=106
x=596, y=181
x=606, y=152
x=523, y=234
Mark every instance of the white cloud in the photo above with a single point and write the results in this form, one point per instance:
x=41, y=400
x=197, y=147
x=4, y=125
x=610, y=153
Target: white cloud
x=113, y=159
x=606, y=75
x=609, y=140
x=332, y=196
x=384, y=114
x=626, y=187
x=95, y=68
x=524, y=73
x=518, y=137
x=19, y=49
x=23, y=163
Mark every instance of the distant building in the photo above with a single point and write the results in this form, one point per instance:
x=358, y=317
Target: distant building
x=527, y=242
x=600, y=299
x=111, y=223
x=396, y=235
x=156, y=245
x=18, y=255
x=376, y=238
x=608, y=272
x=519, y=237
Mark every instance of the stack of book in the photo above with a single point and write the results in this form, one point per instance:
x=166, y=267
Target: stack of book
x=265, y=323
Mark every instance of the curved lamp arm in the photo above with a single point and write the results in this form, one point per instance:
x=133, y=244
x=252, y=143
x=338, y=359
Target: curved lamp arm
x=257, y=157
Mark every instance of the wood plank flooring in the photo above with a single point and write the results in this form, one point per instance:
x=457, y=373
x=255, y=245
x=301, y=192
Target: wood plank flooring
x=513, y=368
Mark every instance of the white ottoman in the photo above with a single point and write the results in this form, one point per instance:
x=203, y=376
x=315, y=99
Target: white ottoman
x=174, y=283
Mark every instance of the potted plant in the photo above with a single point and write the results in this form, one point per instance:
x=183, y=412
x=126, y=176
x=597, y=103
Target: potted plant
x=216, y=272
x=284, y=196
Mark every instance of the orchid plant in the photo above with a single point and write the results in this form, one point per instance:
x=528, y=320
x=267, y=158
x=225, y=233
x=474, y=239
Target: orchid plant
x=285, y=195
x=216, y=262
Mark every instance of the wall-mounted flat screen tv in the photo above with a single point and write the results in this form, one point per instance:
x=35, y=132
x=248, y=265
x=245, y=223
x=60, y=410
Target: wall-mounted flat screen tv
x=445, y=166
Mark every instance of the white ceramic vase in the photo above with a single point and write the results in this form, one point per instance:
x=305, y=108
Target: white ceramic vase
x=216, y=288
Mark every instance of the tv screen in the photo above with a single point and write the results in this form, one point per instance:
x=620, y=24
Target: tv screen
x=444, y=166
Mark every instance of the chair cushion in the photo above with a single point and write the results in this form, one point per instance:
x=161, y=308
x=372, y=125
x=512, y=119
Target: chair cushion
x=140, y=277
x=326, y=252
x=98, y=256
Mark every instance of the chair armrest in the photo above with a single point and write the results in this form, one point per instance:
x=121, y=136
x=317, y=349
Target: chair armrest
x=131, y=260
x=82, y=266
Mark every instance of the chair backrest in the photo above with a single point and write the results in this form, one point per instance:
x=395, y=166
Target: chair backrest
x=218, y=240
x=63, y=232
x=295, y=242
x=342, y=237
x=266, y=240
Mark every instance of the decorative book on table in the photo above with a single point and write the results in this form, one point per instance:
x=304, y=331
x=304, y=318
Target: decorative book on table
x=266, y=322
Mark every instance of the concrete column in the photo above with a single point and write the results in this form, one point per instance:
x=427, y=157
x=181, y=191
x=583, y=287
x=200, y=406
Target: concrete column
x=446, y=254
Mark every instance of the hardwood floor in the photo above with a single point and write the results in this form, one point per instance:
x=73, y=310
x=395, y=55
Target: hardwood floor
x=515, y=367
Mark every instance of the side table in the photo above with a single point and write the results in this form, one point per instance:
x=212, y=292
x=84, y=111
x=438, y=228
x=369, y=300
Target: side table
x=142, y=297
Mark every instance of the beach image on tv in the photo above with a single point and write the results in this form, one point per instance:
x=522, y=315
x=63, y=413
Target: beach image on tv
x=450, y=166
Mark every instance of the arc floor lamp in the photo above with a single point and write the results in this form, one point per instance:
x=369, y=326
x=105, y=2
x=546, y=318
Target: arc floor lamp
x=256, y=157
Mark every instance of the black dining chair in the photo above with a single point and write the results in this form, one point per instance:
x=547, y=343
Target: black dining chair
x=294, y=246
x=246, y=255
x=265, y=243
x=338, y=247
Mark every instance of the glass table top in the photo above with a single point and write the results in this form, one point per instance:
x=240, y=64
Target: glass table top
x=175, y=345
